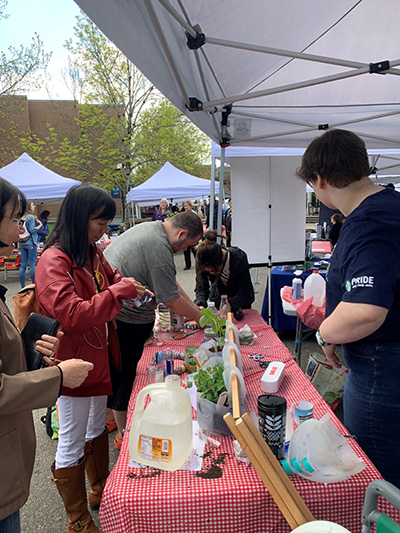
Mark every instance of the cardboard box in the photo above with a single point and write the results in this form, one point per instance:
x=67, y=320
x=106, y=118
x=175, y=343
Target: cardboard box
x=328, y=380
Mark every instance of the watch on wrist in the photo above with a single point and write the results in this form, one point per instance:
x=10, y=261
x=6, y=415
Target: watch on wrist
x=320, y=340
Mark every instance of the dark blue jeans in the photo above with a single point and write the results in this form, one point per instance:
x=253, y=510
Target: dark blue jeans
x=28, y=255
x=11, y=524
x=372, y=403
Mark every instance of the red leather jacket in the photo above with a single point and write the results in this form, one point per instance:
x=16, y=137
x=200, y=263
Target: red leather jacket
x=69, y=293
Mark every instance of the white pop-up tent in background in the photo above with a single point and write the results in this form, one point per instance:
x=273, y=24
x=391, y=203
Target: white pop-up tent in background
x=171, y=183
x=37, y=182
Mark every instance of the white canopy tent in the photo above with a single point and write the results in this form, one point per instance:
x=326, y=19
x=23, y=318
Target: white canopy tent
x=289, y=69
x=171, y=183
x=267, y=73
x=37, y=182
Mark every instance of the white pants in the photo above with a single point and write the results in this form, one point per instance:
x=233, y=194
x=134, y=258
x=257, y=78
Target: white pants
x=81, y=419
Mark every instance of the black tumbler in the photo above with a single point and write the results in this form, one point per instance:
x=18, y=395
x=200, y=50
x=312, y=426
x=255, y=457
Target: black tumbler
x=272, y=422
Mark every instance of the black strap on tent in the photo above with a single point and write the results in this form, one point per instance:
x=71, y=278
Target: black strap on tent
x=225, y=135
x=379, y=68
x=194, y=43
x=195, y=104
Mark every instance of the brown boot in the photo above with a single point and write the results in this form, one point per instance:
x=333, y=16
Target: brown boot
x=70, y=483
x=96, y=455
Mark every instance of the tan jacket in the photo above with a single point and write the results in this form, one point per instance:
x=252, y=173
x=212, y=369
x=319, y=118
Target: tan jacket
x=20, y=392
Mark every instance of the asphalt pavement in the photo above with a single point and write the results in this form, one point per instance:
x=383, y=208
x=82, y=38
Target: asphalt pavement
x=44, y=510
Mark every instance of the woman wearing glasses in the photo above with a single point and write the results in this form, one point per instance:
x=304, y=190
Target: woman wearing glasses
x=22, y=391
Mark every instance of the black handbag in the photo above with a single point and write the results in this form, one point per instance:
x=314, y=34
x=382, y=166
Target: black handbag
x=35, y=327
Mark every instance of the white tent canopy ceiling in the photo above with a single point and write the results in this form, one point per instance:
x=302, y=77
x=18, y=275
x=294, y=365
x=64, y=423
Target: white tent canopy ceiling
x=37, y=182
x=171, y=183
x=267, y=73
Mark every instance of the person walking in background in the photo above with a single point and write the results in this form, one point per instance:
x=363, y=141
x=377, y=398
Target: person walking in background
x=162, y=212
x=22, y=391
x=362, y=293
x=76, y=285
x=337, y=223
x=220, y=271
x=28, y=244
x=43, y=231
x=146, y=252
x=188, y=206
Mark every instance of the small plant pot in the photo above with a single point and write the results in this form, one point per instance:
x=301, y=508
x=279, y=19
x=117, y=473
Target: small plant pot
x=211, y=416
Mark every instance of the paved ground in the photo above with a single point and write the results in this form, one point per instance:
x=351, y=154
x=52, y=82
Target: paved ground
x=44, y=510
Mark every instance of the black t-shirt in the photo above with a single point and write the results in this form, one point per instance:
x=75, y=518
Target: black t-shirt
x=365, y=265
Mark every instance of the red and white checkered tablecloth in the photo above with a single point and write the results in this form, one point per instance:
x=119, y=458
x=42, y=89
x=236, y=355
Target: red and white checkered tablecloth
x=156, y=501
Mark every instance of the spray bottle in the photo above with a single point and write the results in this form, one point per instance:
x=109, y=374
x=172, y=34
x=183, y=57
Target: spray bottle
x=297, y=285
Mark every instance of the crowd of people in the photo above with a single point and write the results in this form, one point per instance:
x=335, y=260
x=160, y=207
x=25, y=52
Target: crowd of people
x=102, y=333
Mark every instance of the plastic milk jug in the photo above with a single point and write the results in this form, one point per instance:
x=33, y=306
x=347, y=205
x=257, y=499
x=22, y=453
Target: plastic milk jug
x=161, y=433
x=314, y=287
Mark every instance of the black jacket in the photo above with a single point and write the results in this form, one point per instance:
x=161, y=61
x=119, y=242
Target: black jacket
x=239, y=287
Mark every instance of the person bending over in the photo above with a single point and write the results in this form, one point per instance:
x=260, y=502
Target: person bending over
x=221, y=270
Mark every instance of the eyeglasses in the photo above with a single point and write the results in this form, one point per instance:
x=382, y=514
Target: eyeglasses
x=19, y=221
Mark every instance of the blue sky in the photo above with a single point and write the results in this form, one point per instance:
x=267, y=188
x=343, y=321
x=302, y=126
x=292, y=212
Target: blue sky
x=53, y=20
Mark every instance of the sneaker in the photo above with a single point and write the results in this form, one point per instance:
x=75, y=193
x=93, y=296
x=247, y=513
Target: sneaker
x=118, y=442
x=111, y=425
x=186, y=268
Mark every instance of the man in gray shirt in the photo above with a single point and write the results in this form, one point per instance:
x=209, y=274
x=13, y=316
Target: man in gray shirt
x=146, y=253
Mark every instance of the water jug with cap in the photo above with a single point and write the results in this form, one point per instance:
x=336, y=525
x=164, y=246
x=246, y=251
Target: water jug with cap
x=161, y=434
x=314, y=287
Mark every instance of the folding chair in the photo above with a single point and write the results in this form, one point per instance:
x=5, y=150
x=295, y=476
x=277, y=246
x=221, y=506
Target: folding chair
x=370, y=514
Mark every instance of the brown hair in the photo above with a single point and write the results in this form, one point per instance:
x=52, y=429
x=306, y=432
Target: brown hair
x=338, y=156
x=189, y=221
x=337, y=217
x=209, y=252
x=187, y=202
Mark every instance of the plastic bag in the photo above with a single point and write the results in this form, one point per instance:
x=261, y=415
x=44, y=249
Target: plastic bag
x=227, y=357
x=309, y=314
x=246, y=336
x=230, y=325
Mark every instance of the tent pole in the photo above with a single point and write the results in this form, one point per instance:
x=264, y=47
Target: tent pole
x=270, y=311
x=221, y=192
x=285, y=88
x=167, y=50
x=212, y=196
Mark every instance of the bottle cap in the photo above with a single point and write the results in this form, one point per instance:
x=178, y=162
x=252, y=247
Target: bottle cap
x=315, y=272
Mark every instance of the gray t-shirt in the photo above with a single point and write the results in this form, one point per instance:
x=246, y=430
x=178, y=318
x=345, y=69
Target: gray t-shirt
x=144, y=253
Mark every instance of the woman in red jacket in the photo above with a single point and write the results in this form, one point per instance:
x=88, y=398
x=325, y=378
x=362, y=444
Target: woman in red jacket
x=76, y=285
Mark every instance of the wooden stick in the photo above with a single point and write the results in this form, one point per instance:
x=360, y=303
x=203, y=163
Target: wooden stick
x=234, y=378
x=278, y=468
x=262, y=468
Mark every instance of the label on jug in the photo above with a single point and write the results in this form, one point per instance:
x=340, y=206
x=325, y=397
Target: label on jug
x=155, y=449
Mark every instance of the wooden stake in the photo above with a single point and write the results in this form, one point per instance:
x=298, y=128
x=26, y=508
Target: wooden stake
x=278, y=468
x=243, y=436
x=234, y=378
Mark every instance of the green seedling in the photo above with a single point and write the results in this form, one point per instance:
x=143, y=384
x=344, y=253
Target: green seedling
x=210, y=382
x=217, y=324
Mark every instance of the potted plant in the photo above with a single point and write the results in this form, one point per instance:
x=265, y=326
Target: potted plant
x=212, y=399
x=217, y=324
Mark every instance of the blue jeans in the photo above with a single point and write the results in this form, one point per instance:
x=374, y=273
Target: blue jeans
x=28, y=255
x=371, y=403
x=11, y=524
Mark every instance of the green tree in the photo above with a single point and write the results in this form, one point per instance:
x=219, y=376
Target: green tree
x=127, y=131
x=19, y=67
